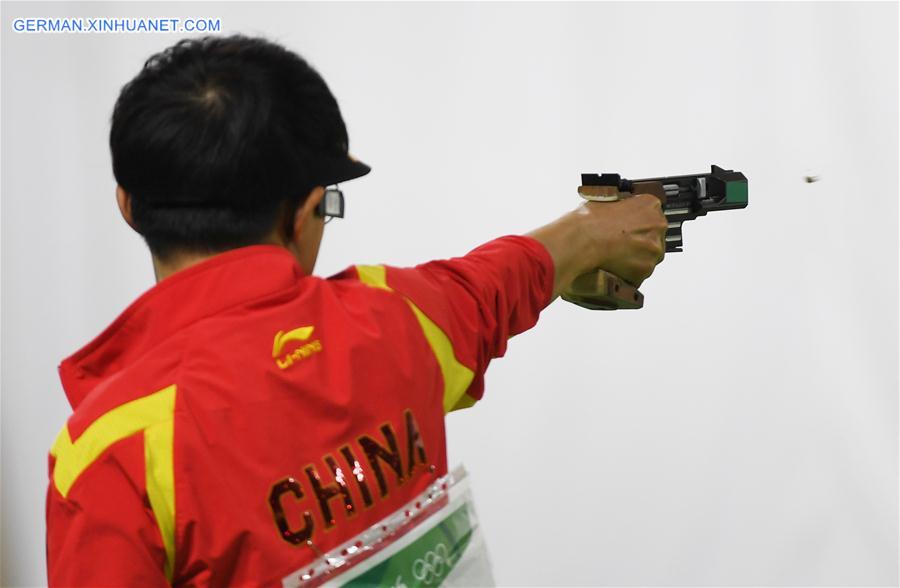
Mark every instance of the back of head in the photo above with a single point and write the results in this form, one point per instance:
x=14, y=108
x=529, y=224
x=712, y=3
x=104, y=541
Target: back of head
x=217, y=137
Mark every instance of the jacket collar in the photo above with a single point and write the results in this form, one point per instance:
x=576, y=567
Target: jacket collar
x=224, y=281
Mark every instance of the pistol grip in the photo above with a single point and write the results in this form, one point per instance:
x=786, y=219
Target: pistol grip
x=600, y=290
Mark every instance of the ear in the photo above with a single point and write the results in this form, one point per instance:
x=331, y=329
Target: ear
x=123, y=198
x=306, y=213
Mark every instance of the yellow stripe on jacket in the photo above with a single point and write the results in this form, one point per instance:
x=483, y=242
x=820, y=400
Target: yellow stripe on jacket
x=154, y=415
x=457, y=377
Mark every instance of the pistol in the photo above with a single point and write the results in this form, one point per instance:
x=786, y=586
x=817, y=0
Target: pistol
x=683, y=198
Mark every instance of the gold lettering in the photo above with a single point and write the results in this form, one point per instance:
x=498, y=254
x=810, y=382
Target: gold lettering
x=377, y=455
x=325, y=492
x=415, y=446
x=375, y=452
x=289, y=485
x=357, y=471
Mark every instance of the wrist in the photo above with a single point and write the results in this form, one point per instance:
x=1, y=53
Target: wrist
x=592, y=238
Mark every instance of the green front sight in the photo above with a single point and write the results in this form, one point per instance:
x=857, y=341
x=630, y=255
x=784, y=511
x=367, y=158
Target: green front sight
x=736, y=192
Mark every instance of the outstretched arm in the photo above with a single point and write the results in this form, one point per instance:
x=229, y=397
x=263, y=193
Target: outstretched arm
x=470, y=306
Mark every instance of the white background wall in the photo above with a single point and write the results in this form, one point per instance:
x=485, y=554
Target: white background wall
x=741, y=429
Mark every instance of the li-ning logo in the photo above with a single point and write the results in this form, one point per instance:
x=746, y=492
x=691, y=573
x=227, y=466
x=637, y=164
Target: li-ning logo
x=286, y=360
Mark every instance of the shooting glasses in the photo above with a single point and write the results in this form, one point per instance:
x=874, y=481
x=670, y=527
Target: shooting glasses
x=331, y=205
x=333, y=171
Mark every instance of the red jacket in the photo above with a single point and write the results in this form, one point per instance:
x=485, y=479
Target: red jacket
x=239, y=409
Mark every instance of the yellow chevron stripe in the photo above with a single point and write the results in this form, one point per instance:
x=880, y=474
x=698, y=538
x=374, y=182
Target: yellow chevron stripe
x=153, y=414
x=160, y=472
x=457, y=377
x=373, y=275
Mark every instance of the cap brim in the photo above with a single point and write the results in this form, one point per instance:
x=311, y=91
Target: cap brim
x=336, y=171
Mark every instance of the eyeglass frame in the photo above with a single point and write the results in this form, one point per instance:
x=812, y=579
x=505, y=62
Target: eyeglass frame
x=331, y=205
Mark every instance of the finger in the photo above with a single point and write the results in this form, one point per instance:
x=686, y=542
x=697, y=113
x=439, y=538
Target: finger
x=664, y=231
x=652, y=199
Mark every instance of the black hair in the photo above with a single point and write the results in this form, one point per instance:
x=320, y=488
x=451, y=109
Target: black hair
x=215, y=139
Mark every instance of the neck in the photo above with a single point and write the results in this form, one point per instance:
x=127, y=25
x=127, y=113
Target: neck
x=175, y=263
x=163, y=268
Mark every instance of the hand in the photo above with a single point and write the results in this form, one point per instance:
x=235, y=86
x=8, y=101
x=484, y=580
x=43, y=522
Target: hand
x=629, y=235
x=625, y=238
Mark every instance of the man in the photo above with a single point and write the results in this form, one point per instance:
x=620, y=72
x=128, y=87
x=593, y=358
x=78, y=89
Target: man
x=243, y=415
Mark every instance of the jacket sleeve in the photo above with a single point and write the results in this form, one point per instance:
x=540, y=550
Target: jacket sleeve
x=470, y=306
x=102, y=532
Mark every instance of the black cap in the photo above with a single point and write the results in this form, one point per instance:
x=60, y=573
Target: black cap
x=325, y=170
x=328, y=171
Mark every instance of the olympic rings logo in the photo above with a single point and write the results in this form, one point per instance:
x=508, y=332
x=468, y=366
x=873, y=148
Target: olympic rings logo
x=433, y=565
